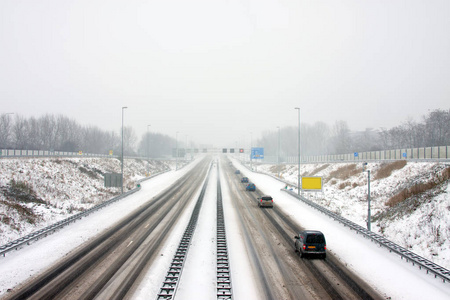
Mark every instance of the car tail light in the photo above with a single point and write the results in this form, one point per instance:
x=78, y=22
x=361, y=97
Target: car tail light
x=325, y=247
x=304, y=246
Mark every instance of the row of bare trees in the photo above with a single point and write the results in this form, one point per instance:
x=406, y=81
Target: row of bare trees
x=60, y=133
x=320, y=138
x=434, y=130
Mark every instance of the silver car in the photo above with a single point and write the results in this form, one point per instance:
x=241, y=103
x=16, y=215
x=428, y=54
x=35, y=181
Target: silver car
x=265, y=201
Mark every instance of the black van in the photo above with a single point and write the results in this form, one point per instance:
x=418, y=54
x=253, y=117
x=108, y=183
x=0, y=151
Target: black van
x=311, y=242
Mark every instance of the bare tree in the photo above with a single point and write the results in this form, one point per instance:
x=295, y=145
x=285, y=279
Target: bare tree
x=34, y=133
x=129, y=140
x=341, y=137
x=20, y=131
x=289, y=141
x=93, y=140
x=315, y=138
x=158, y=145
x=48, y=130
x=69, y=134
x=437, y=125
x=5, y=130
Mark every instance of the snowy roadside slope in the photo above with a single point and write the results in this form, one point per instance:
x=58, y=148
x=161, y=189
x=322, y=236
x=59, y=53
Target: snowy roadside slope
x=384, y=271
x=38, y=192
x=421, y=224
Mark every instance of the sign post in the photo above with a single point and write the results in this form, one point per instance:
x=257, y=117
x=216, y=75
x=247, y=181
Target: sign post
x=256, y=153
x=312, y=184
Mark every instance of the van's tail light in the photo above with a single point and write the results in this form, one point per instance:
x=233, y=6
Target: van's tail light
x=304, y=246
x=325, y=247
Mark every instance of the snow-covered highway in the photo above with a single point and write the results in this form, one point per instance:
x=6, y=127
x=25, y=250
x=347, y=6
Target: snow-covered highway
x=383, y=271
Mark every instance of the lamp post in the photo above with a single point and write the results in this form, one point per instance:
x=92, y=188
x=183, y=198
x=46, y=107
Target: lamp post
x=368, y=195
x=299, y=153
x=7, y=131
x=176, y=153
x=278, y=152
x=121, y=186
x=148, y=150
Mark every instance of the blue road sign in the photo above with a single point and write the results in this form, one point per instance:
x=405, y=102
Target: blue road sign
x=257, y=153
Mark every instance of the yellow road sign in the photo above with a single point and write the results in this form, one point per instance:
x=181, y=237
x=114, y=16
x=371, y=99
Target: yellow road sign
x=312, y=184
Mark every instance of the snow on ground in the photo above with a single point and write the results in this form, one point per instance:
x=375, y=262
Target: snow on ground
x=242, y=281
x=59, y=188
x=153, y=280
x=20, y=265
x=200, y=265
x=385, y=271
x=423, y=228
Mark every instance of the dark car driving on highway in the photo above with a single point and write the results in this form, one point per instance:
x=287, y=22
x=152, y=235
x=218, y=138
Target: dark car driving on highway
x=250, y=187
x=244, y=179
x=311, y=242
x=237, y=172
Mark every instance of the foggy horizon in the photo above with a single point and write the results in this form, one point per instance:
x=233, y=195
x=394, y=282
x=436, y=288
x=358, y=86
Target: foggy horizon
x=222, y=72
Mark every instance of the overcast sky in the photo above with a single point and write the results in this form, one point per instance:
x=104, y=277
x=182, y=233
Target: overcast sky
x=216, y=70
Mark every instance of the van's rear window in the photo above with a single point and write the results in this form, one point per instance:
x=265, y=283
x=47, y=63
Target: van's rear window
x=315, y=239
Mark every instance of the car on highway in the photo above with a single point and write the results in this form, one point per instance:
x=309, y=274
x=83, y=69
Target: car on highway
x=250, y=187
x=265, y=201
x=311, y=242
x=244, y=179
x=237, y=172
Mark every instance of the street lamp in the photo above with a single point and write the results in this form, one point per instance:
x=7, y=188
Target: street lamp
x=368, y=196
x=299, y=153
x=121, y=186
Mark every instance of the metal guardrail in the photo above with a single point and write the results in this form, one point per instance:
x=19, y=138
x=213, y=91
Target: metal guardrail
x=422, y=154
x=17, y=153
x=422, y=262
x=429, y=266
x=224, y=289
x=14, y=153
x=34, y=236
x=170, y=284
